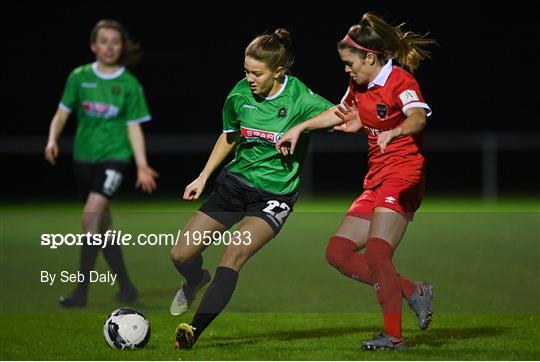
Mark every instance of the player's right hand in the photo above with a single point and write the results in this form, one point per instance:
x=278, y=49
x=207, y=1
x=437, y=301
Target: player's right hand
x=288, y=141
x=194, y=189
x=51, y=152
x=146, y=178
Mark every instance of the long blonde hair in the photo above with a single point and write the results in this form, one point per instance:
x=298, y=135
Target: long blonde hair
x=390, y=42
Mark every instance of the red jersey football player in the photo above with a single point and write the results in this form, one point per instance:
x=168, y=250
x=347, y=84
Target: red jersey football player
x=384, y=101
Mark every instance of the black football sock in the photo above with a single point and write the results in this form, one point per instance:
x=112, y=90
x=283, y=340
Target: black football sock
x=215, y=299
x=88, y=261
x=192, y=270
x=113, y=255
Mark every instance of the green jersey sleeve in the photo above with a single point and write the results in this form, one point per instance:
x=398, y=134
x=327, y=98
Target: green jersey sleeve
x=137, y=108
x=70, y=96
x=312, y=104
x=231, y=123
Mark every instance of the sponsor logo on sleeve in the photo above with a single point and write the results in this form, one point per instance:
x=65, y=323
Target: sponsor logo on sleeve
x=408, y=96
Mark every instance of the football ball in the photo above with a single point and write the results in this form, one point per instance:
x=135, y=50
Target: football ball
x=126, y=328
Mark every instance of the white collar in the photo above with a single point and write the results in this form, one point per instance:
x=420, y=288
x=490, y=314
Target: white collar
x=278, y=93
x=102, y=75
x=383, y=75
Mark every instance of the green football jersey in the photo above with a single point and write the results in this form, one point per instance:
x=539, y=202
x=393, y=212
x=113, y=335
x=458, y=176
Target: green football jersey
x=105, y=104
x=261, y=123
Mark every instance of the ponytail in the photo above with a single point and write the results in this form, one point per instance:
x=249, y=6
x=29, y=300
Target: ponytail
x=373, y=34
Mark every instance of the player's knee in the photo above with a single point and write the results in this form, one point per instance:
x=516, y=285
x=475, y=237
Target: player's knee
x=332, y=256
x=338, y=250
x=178, y=257
x=378, y=251
x=91, y=222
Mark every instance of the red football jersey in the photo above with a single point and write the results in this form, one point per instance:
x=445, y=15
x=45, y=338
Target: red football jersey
x=381, y=105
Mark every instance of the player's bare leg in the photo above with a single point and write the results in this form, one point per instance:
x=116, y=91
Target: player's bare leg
x=354, y=229
x=185, y=249
x=186, y=257
x=388, y=225
x=254, y=234
x=95, y=216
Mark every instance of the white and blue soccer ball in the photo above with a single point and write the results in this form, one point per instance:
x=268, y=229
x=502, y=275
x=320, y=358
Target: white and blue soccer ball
x=126, y=328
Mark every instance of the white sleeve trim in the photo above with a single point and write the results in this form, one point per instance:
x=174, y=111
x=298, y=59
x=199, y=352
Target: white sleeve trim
x=63, y=107
x=345, y=96
x=417, y=105
x=140, y=120
x=230, y=130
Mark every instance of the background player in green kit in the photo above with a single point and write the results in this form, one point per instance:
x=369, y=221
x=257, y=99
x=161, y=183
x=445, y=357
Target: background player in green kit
x=110, y=105
x=257, y=188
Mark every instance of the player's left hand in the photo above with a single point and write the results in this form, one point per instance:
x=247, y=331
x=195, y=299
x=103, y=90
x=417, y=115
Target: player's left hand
x=350, y=117
x=385, y=137
x=146, y=179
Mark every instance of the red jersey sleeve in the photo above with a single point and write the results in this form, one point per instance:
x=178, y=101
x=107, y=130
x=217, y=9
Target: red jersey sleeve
x=408, y=95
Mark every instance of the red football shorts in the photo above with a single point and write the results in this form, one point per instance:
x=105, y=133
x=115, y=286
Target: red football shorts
x=395, y=194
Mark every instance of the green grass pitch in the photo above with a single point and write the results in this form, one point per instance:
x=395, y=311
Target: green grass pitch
x=483, y=259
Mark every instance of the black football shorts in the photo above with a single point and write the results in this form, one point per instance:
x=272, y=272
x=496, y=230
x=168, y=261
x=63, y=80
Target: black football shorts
x=233, y=199
x=104, y=177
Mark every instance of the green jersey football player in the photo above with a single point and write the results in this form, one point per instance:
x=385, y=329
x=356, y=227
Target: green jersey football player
x=110, y=106
x=257, y=189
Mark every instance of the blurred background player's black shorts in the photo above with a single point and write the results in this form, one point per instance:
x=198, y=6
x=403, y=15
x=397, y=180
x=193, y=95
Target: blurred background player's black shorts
x=104, y=177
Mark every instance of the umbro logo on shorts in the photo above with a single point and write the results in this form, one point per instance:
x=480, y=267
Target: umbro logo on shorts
x=389, y=199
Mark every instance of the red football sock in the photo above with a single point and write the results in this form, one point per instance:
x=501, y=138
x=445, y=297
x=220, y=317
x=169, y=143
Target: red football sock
x=342, y=254
x=386, y=283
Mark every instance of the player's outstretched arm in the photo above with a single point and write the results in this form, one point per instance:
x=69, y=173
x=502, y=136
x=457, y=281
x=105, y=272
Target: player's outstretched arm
x=146, y=175
x=413, y=124
x=288, y=141
x=57, y=125
x=224, y=145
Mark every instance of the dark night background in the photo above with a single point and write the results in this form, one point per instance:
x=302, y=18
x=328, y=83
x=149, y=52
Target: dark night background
x=479, y=80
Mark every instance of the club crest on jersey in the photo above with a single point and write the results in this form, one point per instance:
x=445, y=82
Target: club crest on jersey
x=116, y=89
x=259, y=135
x=282, y=113
x=382, y=111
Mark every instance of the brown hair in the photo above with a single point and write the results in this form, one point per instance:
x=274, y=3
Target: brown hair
x=130, y=51
x=274, y=49
x=406, y=47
